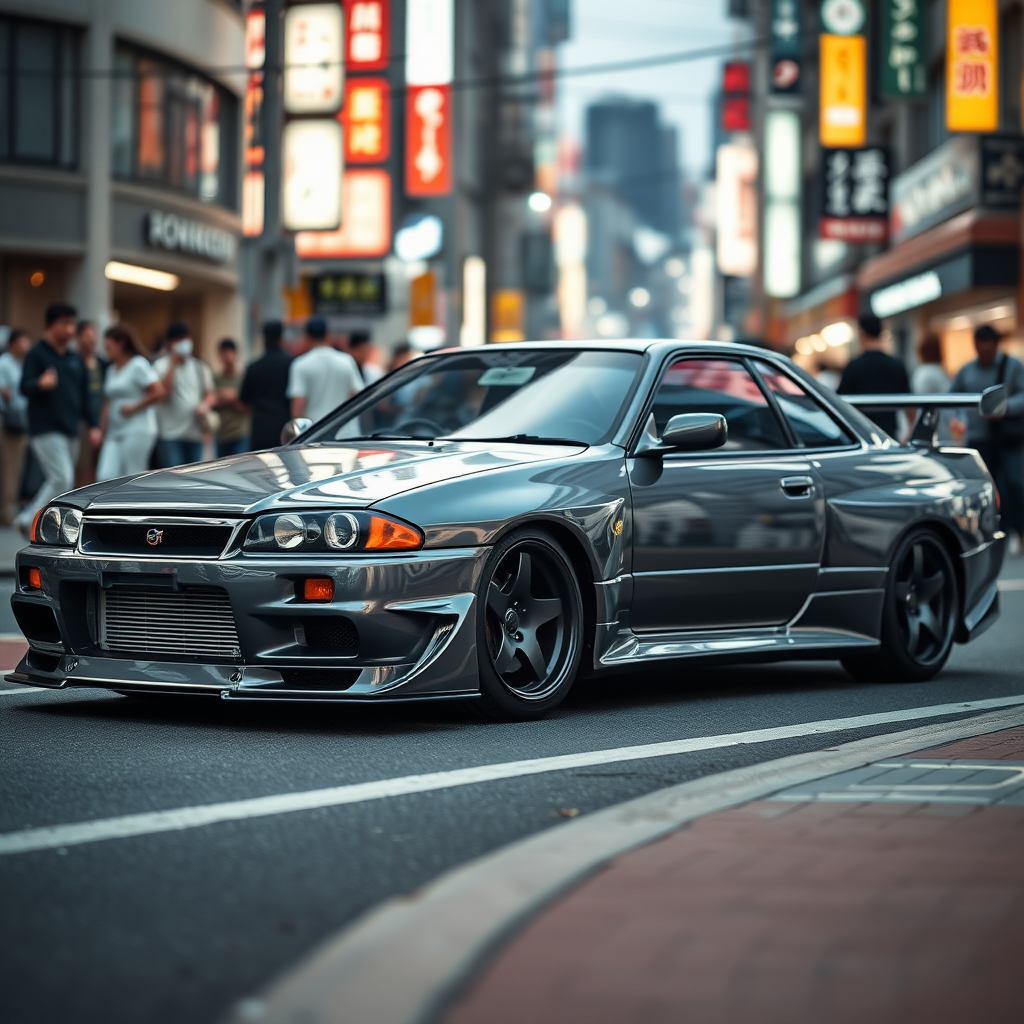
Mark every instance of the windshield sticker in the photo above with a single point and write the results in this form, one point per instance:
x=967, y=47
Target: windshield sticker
x=506, y=376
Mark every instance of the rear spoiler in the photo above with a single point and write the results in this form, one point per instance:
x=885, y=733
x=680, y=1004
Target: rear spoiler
x=991, y=402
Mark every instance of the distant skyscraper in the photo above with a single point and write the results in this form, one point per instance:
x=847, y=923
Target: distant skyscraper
x=629, y=151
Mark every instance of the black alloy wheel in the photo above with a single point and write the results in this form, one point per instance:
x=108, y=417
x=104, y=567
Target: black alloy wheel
x=919, y=614
x=529, y=628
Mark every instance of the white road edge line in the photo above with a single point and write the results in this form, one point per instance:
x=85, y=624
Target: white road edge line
x=151, y=822
x=1010, y=584
x=443, y=933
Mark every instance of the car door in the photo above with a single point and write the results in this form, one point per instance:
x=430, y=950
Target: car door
x=728, y=538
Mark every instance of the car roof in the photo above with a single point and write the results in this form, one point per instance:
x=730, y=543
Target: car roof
x=654, y=345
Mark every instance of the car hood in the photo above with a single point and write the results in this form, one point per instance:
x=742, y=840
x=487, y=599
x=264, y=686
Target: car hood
x=307, y=476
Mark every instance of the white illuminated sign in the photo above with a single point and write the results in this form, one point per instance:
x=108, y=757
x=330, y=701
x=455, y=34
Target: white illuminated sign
x=314, y=79
x=736, y=201
x=904, y=295
x=311, y=189
x=419, y=238
x=429, y=42
x=781, y=263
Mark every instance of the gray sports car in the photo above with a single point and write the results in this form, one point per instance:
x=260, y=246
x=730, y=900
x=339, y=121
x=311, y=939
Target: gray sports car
x=493, y=523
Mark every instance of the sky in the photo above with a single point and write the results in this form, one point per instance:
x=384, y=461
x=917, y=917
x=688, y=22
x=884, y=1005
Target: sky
x=615, y=30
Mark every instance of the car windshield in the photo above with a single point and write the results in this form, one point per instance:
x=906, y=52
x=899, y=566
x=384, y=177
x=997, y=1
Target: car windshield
x=525, y=395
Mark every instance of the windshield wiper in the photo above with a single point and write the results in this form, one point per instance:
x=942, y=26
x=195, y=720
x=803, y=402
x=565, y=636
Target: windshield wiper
x=525, y=439
x=380, y=435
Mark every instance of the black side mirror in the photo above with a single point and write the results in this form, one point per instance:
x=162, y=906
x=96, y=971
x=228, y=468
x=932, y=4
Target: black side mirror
x=293, y=428
x=688, y=432
x=695, y=432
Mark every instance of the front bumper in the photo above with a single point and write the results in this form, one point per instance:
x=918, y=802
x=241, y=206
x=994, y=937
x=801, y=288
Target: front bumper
x=413, y=614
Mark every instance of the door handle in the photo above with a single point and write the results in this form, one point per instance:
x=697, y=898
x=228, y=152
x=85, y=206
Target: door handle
x=797, y=486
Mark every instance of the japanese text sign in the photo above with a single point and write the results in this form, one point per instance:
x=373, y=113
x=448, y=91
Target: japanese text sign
x=314, y=80
x=366, y=230
x=784, y=47
x=904, y=53
x=972, y=48
x=367, y=34
x=428, y=141
x=367, y=121
x=843, y=97
x=855, y=195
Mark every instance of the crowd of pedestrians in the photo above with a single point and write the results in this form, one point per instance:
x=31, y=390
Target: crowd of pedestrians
x=999, y=440
x=74, y=411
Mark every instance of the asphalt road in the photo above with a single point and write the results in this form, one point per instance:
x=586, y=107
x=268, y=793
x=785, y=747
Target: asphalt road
x=176, y=926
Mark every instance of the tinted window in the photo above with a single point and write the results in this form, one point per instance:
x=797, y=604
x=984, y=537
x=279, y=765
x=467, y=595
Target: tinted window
x=810, y=422
x=724, y=387
x=172, y=127
x=38, y=90
x=494, y=394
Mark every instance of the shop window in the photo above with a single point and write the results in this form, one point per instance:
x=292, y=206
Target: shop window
x=172, y=127
x=38, y=93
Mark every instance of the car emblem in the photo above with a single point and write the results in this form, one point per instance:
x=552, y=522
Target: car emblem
x=154, y=537
x=511, y=621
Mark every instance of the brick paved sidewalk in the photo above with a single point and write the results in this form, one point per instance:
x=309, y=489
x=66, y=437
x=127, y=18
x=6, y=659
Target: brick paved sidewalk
x=809, y=908
x=11, y=652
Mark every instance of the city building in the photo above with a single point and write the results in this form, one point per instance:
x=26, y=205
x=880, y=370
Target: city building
x=909, y=202
x=119, y=162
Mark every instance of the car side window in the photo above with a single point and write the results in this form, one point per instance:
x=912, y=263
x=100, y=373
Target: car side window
x=809, y=420
x=725, y=387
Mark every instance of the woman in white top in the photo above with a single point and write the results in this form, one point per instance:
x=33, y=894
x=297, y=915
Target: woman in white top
x=131, y=390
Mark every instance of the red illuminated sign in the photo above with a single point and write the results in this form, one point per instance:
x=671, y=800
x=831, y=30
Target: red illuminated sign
x=365, y=220
x=428, y=140
x=367, y=34
x=367, y=121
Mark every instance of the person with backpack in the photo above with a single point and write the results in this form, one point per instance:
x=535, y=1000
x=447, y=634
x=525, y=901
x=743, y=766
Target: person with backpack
x=999, y=440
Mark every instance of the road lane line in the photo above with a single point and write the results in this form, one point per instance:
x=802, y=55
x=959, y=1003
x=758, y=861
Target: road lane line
x=180, y=818
x=1010, y=584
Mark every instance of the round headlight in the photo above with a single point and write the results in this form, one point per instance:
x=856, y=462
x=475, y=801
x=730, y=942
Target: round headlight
x=289, y=532
x=71, y=527
x=341, y=531
x=49, y=526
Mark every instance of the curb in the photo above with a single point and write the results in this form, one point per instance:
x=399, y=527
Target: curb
x=407, y=958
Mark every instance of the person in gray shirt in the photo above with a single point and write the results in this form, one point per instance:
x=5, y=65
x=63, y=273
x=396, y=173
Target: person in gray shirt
x=999, y=441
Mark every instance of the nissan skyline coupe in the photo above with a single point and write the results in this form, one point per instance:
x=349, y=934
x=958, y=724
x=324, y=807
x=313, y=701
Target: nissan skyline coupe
x=491, y=524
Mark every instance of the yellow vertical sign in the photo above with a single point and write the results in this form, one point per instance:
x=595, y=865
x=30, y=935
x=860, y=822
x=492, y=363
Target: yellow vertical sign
x=843, y=98
x=972, y=65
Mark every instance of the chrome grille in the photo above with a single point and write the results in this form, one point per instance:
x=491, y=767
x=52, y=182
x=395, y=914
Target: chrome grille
x=193, y=623
x=195, y=538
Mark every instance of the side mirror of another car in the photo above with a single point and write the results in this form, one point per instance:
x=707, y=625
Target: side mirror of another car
x=993, y=401
x=293, y=428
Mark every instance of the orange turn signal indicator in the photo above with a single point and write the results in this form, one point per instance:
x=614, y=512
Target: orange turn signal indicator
x=318, y=589
x=35, y=579
x=389, y=535
x=33, y=535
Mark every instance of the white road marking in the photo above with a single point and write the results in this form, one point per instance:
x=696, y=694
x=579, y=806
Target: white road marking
x=180, y=818
x=1011, y=584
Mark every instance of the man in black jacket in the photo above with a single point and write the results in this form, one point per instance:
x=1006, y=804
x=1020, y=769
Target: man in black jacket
x=875, y=372
x=264, y=390
x=56, y=383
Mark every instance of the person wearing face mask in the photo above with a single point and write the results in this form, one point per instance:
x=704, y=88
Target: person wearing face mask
x=184, y=414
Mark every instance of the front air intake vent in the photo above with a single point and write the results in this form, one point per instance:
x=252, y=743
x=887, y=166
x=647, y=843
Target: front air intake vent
x=194, y=623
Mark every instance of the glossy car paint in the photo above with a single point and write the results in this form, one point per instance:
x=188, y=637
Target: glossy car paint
x=713, y=554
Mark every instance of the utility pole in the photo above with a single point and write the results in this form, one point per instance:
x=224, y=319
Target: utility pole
x=274, y=246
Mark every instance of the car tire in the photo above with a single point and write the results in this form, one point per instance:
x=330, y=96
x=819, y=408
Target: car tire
x=529, y=628
x=919, y=614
